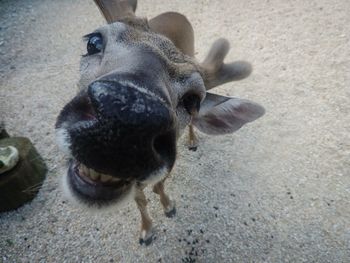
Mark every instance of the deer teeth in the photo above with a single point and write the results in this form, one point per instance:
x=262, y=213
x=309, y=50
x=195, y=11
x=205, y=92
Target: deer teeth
x=113, y=179
x=105, y=178
x=94, y=175
x=84, y=170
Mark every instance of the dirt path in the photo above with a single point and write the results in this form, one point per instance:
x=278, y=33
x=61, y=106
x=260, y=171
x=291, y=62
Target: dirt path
x=276, y=191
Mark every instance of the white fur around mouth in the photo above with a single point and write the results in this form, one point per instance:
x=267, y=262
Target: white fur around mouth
x=63, y=140
x=156, y=176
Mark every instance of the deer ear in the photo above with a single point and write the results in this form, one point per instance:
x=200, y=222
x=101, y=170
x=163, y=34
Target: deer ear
x=221, y=115
x=112, y=10
x=177, y=28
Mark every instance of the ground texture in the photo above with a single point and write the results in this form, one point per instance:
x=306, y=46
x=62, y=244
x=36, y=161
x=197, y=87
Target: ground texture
x=278, y=190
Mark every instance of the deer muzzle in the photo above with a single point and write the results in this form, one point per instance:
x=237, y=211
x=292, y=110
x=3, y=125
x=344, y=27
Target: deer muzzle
x=121, y=129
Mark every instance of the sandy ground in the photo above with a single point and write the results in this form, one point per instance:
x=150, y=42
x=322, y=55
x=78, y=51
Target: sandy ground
x=278, y=190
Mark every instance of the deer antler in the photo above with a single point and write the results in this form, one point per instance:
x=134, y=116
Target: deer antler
x=176, y=27
x=216, y=72
x=114, y=10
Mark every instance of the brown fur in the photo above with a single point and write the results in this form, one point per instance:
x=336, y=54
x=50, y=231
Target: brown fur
x=167, y=40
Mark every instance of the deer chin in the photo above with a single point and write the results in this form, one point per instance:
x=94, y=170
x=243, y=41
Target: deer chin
x=94, y=189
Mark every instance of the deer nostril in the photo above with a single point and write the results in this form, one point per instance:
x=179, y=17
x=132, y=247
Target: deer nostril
x=164, y=146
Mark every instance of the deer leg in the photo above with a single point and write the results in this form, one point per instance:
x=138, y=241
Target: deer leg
x=146, y=222
x=168, y=205
x=193, y=141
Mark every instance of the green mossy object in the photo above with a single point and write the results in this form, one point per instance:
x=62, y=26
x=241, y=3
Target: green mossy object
x=20, y=184
x=8, y=158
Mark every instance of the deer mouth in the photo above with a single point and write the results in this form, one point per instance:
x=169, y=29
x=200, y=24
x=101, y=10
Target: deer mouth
x=92, y=177
x=92, y=187
x=118, y=134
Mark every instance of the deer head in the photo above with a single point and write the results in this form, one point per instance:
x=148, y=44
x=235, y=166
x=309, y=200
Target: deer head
x=140, y=86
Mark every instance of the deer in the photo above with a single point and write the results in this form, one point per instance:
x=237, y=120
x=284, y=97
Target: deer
x=140, y=88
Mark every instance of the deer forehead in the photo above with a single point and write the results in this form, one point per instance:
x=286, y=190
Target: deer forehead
x=124, y=45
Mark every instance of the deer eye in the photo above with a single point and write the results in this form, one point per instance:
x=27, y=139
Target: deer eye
x=191, y=103
x=94, y=44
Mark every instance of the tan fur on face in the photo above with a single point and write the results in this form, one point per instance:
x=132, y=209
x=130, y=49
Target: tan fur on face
x=156, y=58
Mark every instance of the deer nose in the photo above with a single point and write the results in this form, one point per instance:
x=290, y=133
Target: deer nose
x=129, y=106
x=136, y=131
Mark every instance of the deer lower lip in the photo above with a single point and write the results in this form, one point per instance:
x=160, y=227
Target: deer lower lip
x=94, y=190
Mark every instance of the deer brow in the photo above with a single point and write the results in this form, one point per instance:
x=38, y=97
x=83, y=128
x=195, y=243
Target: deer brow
x=88, y=36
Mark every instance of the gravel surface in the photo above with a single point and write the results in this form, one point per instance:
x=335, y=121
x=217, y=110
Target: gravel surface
x=275, y=191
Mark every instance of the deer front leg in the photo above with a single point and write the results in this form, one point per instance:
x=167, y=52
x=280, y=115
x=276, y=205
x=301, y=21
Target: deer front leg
x=168, y=205
x=146, y=236
x=193, y=141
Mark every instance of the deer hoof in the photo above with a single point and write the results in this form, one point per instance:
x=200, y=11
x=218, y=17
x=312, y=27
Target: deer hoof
x=171, y=211
x=146, y=237
x=193, y=148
